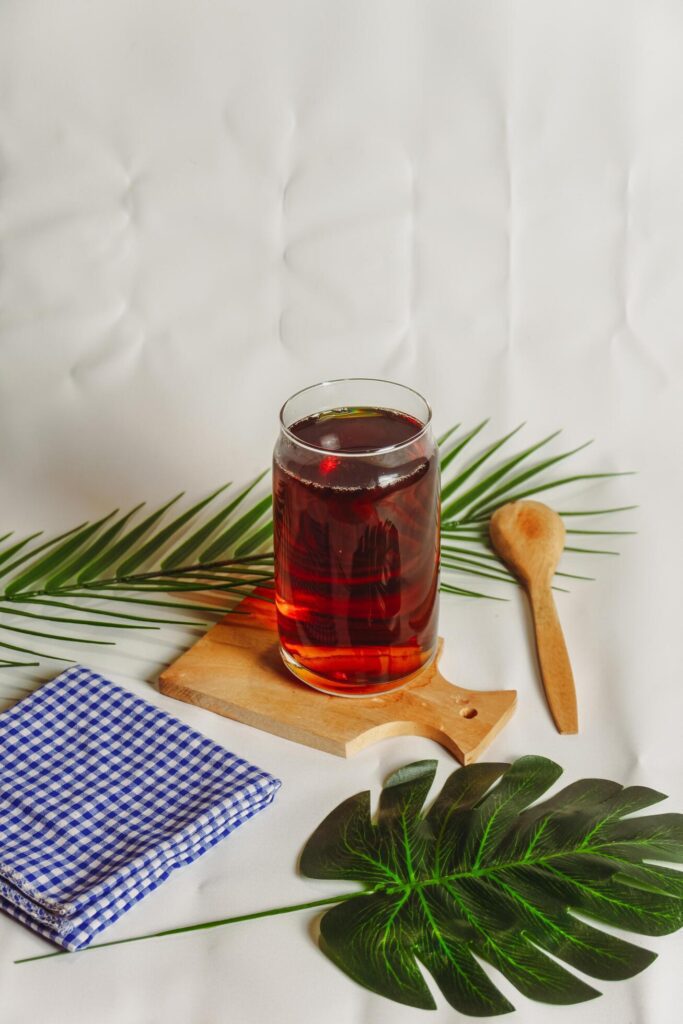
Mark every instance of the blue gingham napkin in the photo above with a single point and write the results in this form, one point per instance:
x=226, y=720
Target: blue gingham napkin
x=102, y=795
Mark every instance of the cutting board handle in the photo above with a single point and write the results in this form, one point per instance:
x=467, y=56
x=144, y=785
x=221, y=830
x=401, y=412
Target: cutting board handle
x=237, y=672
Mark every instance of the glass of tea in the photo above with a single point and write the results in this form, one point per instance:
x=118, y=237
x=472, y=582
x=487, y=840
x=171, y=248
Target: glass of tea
x=356, y=507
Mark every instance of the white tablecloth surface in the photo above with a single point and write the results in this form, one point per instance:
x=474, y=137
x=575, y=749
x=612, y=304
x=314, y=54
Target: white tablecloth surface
x=206, y=205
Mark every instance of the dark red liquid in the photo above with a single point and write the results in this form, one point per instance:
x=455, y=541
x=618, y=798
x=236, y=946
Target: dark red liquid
x=357, y=548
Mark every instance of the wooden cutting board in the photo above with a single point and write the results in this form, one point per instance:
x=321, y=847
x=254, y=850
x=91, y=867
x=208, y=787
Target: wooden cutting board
x=236, y=671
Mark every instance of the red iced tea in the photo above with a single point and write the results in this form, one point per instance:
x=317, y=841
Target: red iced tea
x=356, y=509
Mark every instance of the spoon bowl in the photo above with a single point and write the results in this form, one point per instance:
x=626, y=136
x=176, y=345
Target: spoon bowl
x=529, y=537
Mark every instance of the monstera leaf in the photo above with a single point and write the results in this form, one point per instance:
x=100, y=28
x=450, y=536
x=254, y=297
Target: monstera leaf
x=484, y=876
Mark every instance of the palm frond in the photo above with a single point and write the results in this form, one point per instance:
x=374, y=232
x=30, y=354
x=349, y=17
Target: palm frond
x=440, y=440
x=489, y=509
x=41, y=567
x=71, y=619
x=458, y=446
x=467, y=510
x=589, y=551
x=182, y=554
x=116, y=559
x=83, y=559
x=487, y=497
x=120, y=549
x=142, y=555
x=126, y=617
x=236, y=531
x=147, y=570
x=56, y=636
x=256, y=539
x=453, y=486
x=605, y=533
x=30, y=555
x=598, y=511
x=149, y=602
x=14, y=548
x=448, y=588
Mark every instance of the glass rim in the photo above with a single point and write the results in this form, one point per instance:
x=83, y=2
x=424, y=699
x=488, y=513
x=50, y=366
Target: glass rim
x=370, y=451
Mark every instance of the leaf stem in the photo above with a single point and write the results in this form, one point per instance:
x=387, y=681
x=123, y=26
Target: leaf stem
x=209, y=924
x=242, y=565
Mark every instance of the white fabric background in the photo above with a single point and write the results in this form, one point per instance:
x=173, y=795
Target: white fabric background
x=206, y=205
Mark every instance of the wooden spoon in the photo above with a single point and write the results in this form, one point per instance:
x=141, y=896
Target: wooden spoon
x=529, y=537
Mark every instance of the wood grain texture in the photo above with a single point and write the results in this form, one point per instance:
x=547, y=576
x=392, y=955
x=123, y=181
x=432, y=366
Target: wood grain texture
x=529, y=537
x=235, y=670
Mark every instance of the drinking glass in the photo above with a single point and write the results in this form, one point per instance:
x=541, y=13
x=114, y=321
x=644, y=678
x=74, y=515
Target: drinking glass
x=356, y=509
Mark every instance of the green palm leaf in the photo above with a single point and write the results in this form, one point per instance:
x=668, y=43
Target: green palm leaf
x=599, y=511
x=162, y=537
x=192, y=544
x=255, y=540
x=467, y=509
x=452, y=486
x=123, y=558
x=149, y=602
x=441, y=440
x=10, y=551
x=490, y=508
x=41, y=567
x=487, y=496
x=83, y=559
x=459, y=445
x=70, y=620
x=118, y=550
x=485, y=485
x=125, y=616
x=37, y=654
x=56, y=636
x=30, y=556
x=236, y=531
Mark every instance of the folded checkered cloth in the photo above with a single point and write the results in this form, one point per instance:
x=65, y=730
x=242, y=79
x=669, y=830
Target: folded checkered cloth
x=102, y=795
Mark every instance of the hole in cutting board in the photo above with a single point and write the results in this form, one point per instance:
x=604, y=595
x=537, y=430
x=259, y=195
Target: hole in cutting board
x=468, y=713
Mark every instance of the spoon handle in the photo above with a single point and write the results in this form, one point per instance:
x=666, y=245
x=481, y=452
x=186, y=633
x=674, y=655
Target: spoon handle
x=556, y=670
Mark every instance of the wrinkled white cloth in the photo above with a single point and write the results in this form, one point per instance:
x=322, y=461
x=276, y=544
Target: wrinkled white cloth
x=207, y=205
